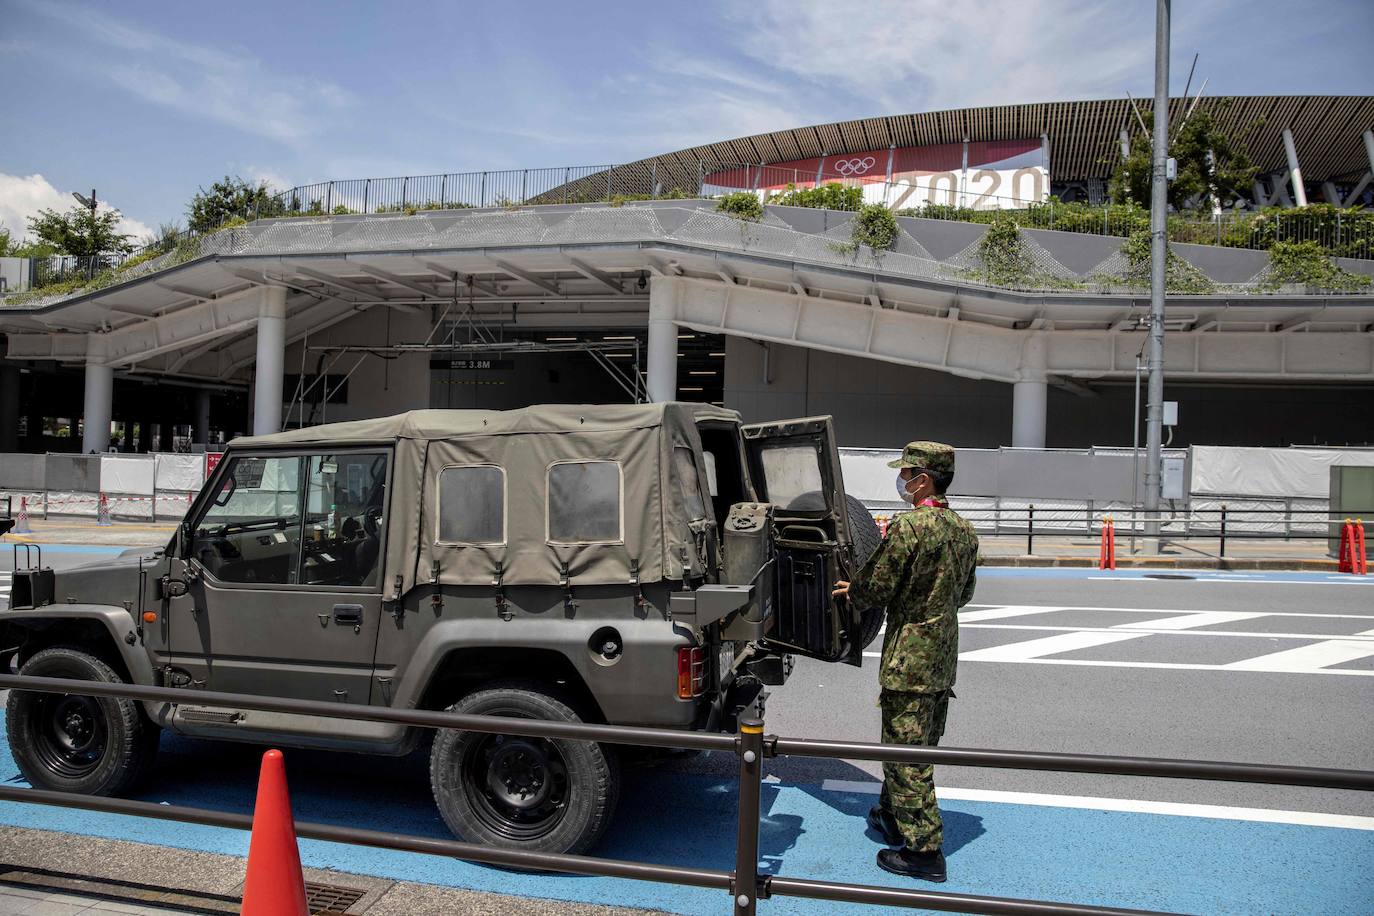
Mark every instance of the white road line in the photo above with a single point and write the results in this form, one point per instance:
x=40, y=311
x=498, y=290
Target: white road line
x=1190, y=620
x=1133, y=805
x=1172, y=611
x=1304, y=659
x=1049, y=645
x=1000, y=613
x=1243, y=634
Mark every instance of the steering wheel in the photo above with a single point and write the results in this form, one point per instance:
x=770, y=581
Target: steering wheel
x=372, y=521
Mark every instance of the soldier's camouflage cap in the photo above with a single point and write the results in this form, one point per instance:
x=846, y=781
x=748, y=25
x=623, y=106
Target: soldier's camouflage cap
x=929, y=456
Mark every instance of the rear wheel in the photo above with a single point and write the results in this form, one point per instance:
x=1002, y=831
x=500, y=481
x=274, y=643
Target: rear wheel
x=864, y=530
x=544, y=795
x=73, y=743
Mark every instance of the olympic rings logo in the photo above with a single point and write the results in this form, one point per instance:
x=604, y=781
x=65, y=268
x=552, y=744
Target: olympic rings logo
x=849, y=167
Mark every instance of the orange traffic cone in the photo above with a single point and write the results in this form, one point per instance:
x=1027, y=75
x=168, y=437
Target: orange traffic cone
x=1346, y=557
x=274, y=885
x=1353, y=558
x=1106, y=558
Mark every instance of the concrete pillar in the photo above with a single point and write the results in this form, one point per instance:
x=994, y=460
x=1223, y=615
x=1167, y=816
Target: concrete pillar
x=128, y=435
x=1369, y=149
x=267, y=380
x=95, y=412
x=1029, y=397
x=145, y=436
x=202, y=431
x=9, y=408
x=662, y=356
x=1294, y=170
x=165, y=432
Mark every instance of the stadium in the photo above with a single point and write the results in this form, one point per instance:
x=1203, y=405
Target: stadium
x=361, y=298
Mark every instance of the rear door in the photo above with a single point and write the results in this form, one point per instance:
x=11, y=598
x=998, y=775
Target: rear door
x=795, y=465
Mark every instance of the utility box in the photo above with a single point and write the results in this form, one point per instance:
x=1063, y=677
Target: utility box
x=1352, y=496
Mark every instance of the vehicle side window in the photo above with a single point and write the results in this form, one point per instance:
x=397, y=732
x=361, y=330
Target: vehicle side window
x=472, y=505
x=792, y=476
x=712, y=485
x=344, y=513
x=251, y=531
x=685, y=470
x=584, y=502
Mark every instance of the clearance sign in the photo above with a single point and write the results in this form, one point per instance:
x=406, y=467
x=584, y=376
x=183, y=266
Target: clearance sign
x=1001, y=174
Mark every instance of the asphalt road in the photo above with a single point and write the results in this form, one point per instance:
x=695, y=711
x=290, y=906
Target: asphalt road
x=1302, y=715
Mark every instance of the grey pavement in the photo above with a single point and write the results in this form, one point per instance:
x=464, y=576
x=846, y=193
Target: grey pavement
x=44, y=873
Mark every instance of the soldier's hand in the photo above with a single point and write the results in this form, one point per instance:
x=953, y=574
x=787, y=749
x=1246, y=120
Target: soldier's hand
x=841, y=589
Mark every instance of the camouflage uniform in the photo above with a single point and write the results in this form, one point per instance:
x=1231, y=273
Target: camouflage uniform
x=923, y=572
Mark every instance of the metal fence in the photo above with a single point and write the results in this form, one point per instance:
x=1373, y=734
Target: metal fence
x=751, y=746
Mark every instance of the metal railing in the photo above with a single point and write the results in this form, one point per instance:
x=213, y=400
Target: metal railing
x=1212, y=524
x=744, y=883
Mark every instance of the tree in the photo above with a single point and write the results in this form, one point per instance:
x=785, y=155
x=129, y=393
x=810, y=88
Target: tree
x=80, y=232
x=7, y=244
x=1228, y=172
x=229, y=197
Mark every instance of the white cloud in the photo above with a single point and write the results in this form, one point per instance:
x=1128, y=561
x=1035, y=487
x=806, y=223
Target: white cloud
x=273, y=179
x=22, y=196
x=233, y=88
x=914, y=55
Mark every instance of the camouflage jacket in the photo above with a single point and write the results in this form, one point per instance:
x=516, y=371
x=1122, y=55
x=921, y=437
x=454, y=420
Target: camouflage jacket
x=923, y=572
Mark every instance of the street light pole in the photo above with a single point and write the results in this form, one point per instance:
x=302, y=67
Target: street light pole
x=1159, y=201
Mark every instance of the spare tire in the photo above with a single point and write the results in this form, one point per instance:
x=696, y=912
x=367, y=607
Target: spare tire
x=863, y=529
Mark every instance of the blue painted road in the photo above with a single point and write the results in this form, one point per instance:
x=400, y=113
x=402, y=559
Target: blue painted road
x=1198, y=575
x=670, y=814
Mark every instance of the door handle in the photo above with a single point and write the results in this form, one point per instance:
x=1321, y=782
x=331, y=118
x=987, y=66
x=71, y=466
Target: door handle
x=349, y=615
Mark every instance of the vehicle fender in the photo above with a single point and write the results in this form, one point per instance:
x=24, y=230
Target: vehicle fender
x=637, y=687
x=117, y=623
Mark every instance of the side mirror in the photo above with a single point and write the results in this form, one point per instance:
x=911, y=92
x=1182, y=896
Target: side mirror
x=226, y=490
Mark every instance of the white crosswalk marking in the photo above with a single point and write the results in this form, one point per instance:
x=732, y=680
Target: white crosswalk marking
x=1049, y=645
x=1001, y=613
x=1190, y=620
x=1306, y=659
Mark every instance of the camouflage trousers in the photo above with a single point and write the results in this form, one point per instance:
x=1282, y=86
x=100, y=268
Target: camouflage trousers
x=909, y=791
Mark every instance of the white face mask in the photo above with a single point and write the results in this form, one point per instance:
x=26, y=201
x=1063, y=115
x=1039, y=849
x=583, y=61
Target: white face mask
x=901, y=490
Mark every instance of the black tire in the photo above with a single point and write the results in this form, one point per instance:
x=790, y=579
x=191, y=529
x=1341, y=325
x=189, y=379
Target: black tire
x=71, y=743
x=542, y=795
x=864, y=531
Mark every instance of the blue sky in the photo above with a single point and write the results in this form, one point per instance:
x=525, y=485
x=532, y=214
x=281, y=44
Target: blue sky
x=146, y=101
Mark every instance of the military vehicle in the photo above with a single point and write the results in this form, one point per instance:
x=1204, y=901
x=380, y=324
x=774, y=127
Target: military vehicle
x=651, y=565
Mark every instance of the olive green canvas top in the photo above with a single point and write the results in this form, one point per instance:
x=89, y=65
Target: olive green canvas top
x=651, y=521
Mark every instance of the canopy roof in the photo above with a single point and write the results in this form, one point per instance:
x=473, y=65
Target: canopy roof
x=446, y=424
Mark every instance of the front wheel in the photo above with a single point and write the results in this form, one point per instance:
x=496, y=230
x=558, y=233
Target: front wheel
x=72, y=743
x=538, y=794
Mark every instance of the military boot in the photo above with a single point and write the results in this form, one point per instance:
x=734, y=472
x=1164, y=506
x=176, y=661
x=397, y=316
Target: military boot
x=928, y=866
x=881, y=820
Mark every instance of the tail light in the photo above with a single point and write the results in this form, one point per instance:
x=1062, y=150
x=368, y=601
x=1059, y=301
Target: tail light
x=691, y=672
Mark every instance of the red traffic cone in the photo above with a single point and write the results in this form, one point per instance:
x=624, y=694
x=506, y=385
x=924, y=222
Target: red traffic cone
x=274, y=885
x=1345, y=556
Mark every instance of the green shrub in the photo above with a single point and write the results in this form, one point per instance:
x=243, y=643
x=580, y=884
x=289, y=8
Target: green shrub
x=1179, y=275
x=831, y=196
x=741, y=205
x=874, y=225
x=1002, y=254
x=1307, y=263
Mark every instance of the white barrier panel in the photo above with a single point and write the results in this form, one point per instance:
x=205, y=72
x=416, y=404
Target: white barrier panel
x=1278, y=472
x=180, y=472
x=127, y=474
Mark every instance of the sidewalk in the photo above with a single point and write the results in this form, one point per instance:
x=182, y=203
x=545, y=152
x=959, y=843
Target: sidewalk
x=44, y=873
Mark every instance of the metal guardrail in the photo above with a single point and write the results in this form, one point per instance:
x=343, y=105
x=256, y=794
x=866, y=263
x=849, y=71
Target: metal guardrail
x=744, y=883
x=1213, y=523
